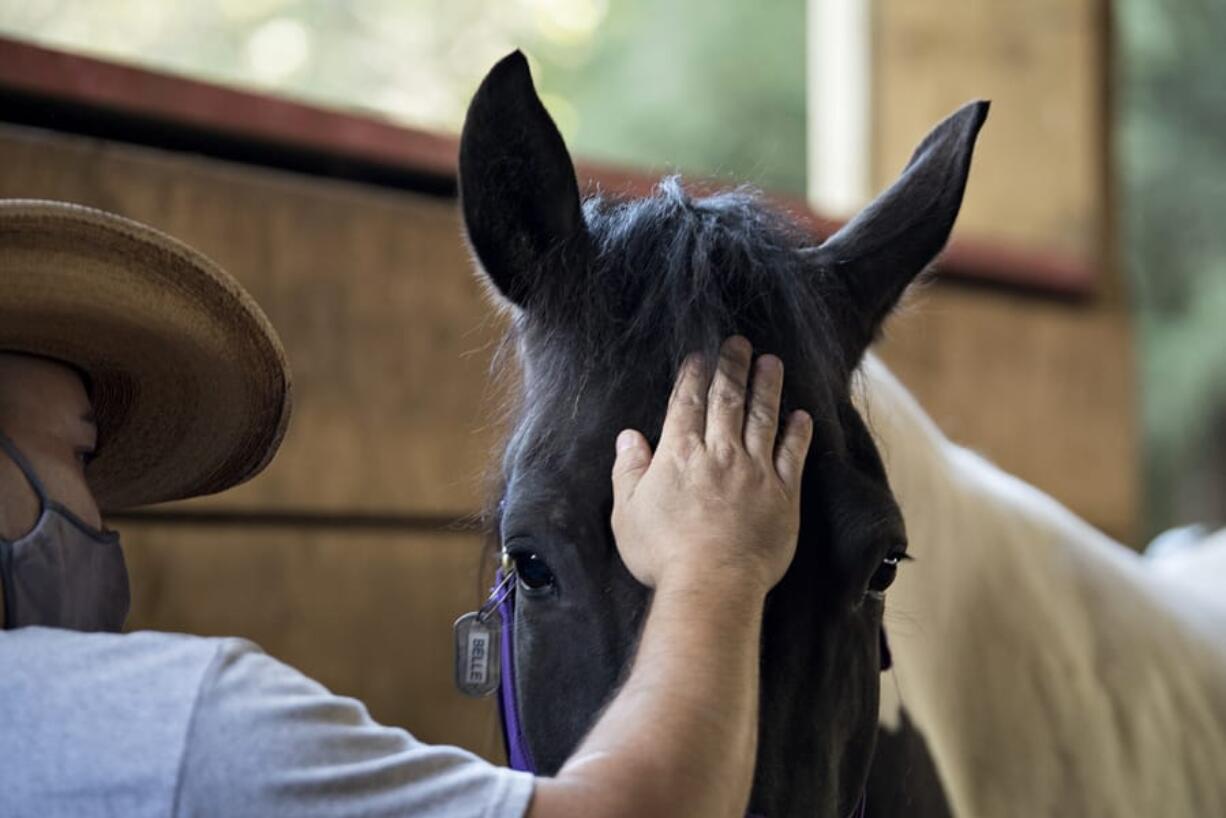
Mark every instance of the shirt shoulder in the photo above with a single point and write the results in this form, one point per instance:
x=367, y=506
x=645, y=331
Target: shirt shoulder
x=267, y=741
x=96, y=724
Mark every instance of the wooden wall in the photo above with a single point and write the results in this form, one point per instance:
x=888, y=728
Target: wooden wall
x=1045, y=388
x=1040, y=167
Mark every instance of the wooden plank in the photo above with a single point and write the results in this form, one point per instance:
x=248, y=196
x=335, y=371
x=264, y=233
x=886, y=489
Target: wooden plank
x=213, y=120
x=368, y=614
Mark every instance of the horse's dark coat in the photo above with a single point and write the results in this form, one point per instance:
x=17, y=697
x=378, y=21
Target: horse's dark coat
x=903, y=780
x=608, y=296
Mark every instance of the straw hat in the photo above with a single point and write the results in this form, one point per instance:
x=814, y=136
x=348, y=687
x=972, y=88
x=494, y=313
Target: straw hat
x=189, y=382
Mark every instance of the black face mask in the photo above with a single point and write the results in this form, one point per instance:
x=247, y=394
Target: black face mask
x=63, y=573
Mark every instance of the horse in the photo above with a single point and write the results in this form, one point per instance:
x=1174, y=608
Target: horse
x=1041, y=668
x=605, y=297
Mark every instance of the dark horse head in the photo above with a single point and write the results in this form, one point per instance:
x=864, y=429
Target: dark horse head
x=606, y=298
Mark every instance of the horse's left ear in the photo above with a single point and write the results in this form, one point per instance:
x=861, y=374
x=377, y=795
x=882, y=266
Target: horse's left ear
x=517, y=182
x=879, y=252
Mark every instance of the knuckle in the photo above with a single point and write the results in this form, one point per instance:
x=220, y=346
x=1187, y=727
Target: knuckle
x=760, y=414
x=688, y=399
x=687, y=444
x=789, y=456
x=723, y=454
x=739, y=463
x=726, y=398
x=768, y=395
x=691, y=374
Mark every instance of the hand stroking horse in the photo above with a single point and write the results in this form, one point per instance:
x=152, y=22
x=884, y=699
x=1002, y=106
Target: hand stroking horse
x=1039, y=669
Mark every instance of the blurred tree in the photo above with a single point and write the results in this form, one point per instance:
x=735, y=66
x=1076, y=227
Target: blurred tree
x=714, y=89
x=666, y=84
x=1172, y=161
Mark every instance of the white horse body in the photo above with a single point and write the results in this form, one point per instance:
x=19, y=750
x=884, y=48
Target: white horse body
x=1051, y=670
x=1199, y=570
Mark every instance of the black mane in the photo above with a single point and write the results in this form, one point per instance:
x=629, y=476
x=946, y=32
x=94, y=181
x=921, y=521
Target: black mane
x=653, y=280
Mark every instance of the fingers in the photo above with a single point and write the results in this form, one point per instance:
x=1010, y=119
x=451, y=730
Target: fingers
x=633, y=458
x=762, y=420
x=687, y=408
x=726, y=397
x=793, y=448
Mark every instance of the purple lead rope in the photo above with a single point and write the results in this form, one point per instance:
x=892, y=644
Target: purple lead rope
x=518, y=756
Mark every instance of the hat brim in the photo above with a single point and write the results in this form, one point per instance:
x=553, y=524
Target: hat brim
x=189, y=383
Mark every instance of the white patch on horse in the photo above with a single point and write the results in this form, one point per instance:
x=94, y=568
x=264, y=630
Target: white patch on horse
x=1051, y=669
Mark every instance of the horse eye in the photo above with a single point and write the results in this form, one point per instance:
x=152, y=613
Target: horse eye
x=532, y=571
x=884, y=576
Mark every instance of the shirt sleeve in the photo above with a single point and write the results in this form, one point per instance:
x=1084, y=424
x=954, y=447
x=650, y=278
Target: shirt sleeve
x=266, y=741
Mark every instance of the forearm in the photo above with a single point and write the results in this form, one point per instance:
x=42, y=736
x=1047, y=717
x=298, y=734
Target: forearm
x=680, y=737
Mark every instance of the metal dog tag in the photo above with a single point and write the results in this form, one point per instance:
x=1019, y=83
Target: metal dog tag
x=477, y=667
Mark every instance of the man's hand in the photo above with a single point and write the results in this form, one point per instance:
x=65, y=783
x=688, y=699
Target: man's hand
x=718, y=501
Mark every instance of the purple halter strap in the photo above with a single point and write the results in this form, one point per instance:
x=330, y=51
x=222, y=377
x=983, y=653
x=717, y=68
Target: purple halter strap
x=518, y=755
x=508, y=705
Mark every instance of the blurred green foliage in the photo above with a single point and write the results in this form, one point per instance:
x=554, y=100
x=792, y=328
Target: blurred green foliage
x=713, y=90
x=1172, y=163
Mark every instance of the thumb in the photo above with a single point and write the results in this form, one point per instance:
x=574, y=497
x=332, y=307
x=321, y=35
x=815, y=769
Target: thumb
x=633, y=458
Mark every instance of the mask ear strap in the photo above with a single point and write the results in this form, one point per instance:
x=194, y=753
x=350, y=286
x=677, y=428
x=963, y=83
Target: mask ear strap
x=27, y=468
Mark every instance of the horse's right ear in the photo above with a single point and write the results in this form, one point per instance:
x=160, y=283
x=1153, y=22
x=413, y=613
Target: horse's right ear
x=517, y=183
x=879, y=252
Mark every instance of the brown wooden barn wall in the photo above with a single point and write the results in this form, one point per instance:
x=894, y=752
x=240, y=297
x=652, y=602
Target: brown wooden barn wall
x=1047, y=390
x=1041, y=165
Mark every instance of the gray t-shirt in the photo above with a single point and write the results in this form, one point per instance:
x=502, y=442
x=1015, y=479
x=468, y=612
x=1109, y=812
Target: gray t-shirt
x=156, y=724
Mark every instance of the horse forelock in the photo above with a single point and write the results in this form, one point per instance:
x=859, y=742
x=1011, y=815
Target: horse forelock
x=658, y=278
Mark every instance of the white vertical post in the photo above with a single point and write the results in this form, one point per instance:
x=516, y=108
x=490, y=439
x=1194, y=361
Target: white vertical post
x=839, y=90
